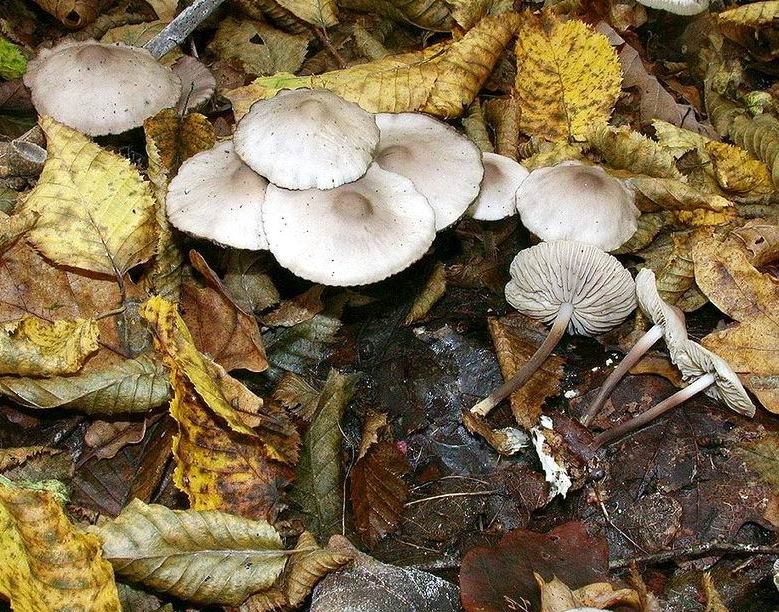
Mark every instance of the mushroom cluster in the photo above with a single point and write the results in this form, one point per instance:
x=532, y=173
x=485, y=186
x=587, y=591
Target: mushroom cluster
x=124, y=85
x=339, y=196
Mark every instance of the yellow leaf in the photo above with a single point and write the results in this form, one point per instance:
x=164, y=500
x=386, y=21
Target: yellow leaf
x=625, y=149
x=48, y=565
x=475, y=127
x=568, y=77
x=138, y=34
x=95, y=212
x=503, y=115
x=468, y=12
x=427, y=14
x=670, y=257
x=677, y=140
x=737, y=171
x=442, y=79
x=674, y=195
x=759, y=136
x=321, y=13
x=14, y=226
x=35, y=347
x=553, y=154
x=754, y=14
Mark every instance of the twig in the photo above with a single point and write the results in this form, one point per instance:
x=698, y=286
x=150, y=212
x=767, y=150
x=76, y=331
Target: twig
x=695, y=552
x=445, y=495
x=181, y=27
x=321, y=34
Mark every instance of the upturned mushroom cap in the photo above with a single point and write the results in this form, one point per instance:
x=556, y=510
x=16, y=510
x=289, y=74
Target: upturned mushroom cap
x=98, y=88
x=656, y=308
x=304, y=139
x=694, y=361
x=444, y=165
x=573, y=201
x=355, y=234
x=550, y=274
x=197, y=83
x=678, y=7
x=502, y=178
x=218, y=197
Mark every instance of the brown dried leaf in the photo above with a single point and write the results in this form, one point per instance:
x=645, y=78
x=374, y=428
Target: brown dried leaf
x=106, y=438
x=434, y=290
x=299, y=309
x=305, y=569
x=12, y=457
x=73, y=13
x=297, y=396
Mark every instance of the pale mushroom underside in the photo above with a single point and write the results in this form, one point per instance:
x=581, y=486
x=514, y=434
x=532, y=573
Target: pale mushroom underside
x=658, y=310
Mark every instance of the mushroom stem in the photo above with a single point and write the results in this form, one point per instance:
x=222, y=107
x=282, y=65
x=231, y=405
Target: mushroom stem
x=181, y=27
x=531, y=365
x=617, y=432
x=638, y=350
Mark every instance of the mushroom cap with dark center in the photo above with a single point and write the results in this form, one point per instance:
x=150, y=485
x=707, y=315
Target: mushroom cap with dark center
x=304, y=139
x=656, y=308
x=573, y=201
x=550, y=274
x=218, y=197
x=444, y=165
x=98, y=88
x=355, y=234
x=694, y=361
x=502, y=178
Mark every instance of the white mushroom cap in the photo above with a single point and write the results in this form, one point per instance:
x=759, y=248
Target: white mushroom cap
x=694, y=361
x=197, y=83
x=656, y=308
x=98, y=88
x=678, y=7
x=355, y=234
x=304, y=139
x=502, y=178
x=573, y=201
x=218, y=197
x=444, y=165
x=550, y=274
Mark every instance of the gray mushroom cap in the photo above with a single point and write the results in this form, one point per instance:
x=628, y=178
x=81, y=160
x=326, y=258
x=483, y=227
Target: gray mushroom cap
x=670, y=318
x=550, y=274
x=677, y=7
x=502, y=178
x=693, y=361
x=307, y=139
x=574, y=201
x=197, y=83
x=99, y=88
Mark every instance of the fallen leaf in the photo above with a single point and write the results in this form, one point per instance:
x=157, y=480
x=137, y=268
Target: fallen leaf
x=507, y=441
x=568, y=77
x=321, y=13
x=205, y=557
x=556, y=596
x=72, y=13
x=468, y=12
x=297, y=396
x=625, y=149
x=738, y=172
x=36, y=347
x=12, y=457
x=95, y=211
x=106, y=438
x=714, y=601
x=503, y=115
x=49, y=564
x=670, y=257
x=247, y=282
x=434, y=290
x=491, y=577
x=165, y=9
x=318, y=491
x=14, y=226
x=297, y=310
x=754, y=14
x=475, y=127
x=516, y=338
x=442, y=79
x=750, y=298
x=138, y=34
x=427, y=14
x=760, y=136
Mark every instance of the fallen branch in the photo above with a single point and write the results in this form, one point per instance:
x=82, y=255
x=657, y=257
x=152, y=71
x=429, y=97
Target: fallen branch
x=696, y=552
x=182, y=26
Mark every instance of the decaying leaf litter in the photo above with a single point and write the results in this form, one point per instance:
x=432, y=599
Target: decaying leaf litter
x=259, y=277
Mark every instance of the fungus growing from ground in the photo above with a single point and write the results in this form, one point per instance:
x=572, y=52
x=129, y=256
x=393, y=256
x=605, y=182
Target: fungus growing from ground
x=668, y=323
x=307, y=139
x=576, y=287
x=573, y=201
x=709, y=373
x=355, y=234
x=98, y=88
x=497, y=197
x=677, y=7
x=444, y=165
x=197, y=83
x=218, y=197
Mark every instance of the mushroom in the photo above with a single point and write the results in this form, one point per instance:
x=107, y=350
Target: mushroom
x=218, y=197
x=668, y=322
x=574, y=286
x=197, y=83
x=709, y=373
x=502, y=178
x=678, y=7
x=303, y=139
x=444, y=165
x=573, y=201
x=355, y=234
x=99, y=88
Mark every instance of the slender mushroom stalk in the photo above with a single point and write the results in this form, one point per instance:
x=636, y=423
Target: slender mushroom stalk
x=524, y=373
x=576, y=287
x=668, y=322
x=710, y=373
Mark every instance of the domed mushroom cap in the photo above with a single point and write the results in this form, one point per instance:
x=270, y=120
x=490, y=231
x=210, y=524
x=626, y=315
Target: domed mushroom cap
x=98, y=88
x=502, y=178
x=694, y=361
x=656, y=308
x=355, y=234
x=678, y=7
x=550, y=274
x=444, y=165
x=197, y=83
x=572, y=201
x=303, y=139
x=218, y=197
